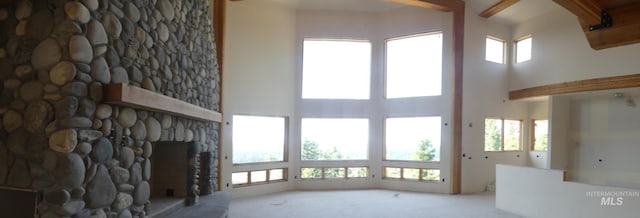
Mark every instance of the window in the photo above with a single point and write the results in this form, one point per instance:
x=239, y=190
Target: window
x=333, y=172
x=539, y=135
x=258, y=177
x=334, y=139
x=336, y=69
x=417, y=174
x=523, y=49
x=495, y=50
x=502, y=135
x=414, y=66
x=258, y=139
x=412, y=138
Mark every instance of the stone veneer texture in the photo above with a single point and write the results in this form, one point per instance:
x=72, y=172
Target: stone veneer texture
x=57, y=136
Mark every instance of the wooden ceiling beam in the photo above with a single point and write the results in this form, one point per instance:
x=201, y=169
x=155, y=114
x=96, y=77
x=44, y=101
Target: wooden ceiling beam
x=615, y=82
x=504, y=4
x=624, y=31
x=439, y=5
x=588, y=11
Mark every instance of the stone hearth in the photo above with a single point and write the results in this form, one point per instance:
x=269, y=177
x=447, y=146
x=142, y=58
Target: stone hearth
x=58, y=136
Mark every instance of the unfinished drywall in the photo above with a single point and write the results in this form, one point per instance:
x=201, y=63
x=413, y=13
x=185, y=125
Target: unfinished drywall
x=259, y=65
x=533, y=192
x=604, y=132
x=559, y=122
x=485, y=95
x=561, y=53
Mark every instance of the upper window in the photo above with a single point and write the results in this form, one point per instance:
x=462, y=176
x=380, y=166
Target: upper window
x=540, y=135
x=495, y=50
x=502, y=135
x=334, y=139
x=336, y=69
x=523, y=49
x=412, y=138
x=258, y=139
x=414, y=66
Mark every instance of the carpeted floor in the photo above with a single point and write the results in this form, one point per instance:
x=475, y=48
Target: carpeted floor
x=365, y=203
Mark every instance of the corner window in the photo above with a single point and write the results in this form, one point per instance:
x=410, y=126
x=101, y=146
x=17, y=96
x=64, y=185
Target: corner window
x=334, y=139
x=502, y=135
x=336, y=69
x=523, y=49
x=414, y=66
x=539, y=135
x=412, y=138
x=258, y=139
x=495, y=50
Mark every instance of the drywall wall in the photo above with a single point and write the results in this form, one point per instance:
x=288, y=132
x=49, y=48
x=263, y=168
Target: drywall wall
x=485, y=95
x=538, y=110
x=561, y=53
x=259, y=65
x=534, y=192
x=559, y=122
x=604, y=130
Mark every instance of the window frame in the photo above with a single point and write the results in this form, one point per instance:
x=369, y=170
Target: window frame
x=370, y=73
x=384, y=139
x=367, y=155
x=385, y=75
x=285, y=176
x=285, y=151
x=420, y=173
x=516, y=42
x=532, y=135
x=345, y=168
x=504, y=49
x=502, y=136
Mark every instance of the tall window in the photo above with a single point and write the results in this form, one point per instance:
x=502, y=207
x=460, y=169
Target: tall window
x=258, y=139
x=334, y=139
x=414, y=66
x=523, y=49
x=502, y=135
x=539, y=135
x=336, y=69
x=495, y=50
x=412, y=138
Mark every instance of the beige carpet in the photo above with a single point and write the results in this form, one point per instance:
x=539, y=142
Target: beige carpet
x=366, y=203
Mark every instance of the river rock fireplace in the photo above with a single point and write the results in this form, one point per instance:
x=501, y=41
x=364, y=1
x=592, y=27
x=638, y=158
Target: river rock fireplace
x=88, y=89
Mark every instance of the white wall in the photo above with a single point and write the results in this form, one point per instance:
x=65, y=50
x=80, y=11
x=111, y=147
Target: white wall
x=561, y=53
x=538, y=110
x=259, y=67
x=604, y=130
x=485, y=94
x=533, y=192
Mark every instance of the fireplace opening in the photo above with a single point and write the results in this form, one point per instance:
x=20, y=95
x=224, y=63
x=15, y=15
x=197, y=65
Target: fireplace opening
x=17, y=202
x=169, y=164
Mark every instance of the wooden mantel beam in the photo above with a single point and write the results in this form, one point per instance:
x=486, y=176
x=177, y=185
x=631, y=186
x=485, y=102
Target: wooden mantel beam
x=616, y=82
x=131, y=96
x=588, y=11
x=504, y=4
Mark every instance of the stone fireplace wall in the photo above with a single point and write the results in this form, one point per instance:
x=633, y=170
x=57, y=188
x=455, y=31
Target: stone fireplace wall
x=58, y=136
